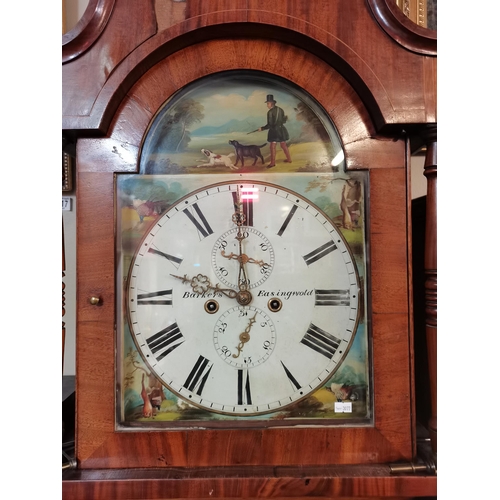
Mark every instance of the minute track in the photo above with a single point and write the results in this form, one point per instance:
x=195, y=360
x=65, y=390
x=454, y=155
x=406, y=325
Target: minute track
x=249, y=358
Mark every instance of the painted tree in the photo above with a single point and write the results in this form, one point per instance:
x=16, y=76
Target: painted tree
x=174, y=128
x=312, y=129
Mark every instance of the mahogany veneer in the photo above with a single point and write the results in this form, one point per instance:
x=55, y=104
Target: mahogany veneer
x=380, y=93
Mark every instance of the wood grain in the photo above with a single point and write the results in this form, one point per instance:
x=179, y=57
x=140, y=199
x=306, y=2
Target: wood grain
x=87, y=30
x=373, y=89
x=403, y=30
x=391, y=94
x=358, y=482
x=93, y=54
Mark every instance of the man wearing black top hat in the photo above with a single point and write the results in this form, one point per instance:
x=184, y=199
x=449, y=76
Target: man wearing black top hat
x=277, y=131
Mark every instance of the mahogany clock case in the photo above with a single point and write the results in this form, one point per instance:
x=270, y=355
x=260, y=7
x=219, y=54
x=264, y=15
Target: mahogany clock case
x=385, y=161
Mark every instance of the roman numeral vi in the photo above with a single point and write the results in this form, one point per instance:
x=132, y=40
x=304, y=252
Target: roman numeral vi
x=244, y=395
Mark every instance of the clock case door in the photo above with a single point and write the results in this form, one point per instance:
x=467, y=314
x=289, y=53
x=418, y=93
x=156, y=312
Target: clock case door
x=391, y=437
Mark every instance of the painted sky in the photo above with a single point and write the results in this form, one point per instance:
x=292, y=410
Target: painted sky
x=239, y=101
x=220, y=108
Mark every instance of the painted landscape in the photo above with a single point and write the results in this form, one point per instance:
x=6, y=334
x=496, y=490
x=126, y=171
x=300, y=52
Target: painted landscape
x=217, y=111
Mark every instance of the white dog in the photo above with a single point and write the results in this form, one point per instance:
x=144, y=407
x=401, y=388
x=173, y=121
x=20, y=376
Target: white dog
x=216, y=159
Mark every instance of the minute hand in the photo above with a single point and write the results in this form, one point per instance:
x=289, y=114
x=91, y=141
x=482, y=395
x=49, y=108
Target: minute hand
x=242, y=275
x=238, y=217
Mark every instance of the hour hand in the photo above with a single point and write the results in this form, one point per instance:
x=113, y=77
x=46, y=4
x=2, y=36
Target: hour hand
x=201, y=284
x=244, y=259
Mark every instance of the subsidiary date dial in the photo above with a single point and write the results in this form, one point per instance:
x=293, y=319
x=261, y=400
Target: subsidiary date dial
x=257, y=256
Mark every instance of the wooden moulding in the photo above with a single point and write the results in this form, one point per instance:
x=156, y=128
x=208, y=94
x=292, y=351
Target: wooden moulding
x=402, y=29
x=331, y=90
x=103, y=38
x=87, y=30
x=89, y=105
x=343, y=483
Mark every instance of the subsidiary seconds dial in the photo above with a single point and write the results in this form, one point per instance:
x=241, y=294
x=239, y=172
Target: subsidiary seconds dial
x=244, y=336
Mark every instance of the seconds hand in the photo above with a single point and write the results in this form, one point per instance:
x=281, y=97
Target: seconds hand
x=245, y=336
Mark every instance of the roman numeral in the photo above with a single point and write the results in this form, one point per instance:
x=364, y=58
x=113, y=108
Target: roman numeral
x=287, y=220
x=332, y=297
x=165, y=341
x=320, y=341
x=320, y=252
x=246, y=208
x=244, y=395
x=176, y=261
x=198, y=375
x=144, y=298
x=292, y=379
x=201, y=222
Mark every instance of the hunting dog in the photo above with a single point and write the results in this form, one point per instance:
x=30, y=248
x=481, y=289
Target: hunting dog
x=216, y=159
x=251, y=151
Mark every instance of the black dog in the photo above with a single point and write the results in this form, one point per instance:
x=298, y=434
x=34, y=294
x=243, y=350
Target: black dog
x=252, y=151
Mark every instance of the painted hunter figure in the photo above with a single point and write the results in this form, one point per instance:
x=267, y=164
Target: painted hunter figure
x=277, y=131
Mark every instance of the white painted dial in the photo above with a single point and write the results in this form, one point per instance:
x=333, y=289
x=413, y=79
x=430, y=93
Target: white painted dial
x=184, y=317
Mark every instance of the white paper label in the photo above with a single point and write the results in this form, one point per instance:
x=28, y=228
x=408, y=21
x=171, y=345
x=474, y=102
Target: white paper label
x=66, y=203
x=343, y=407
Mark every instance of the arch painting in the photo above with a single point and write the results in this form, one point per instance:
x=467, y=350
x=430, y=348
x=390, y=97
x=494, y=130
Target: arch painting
x=241, y=121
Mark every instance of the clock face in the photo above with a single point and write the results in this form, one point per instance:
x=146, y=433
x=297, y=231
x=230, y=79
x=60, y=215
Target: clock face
x=243, y=298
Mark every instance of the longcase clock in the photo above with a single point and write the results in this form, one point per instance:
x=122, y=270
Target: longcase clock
x=244, y=255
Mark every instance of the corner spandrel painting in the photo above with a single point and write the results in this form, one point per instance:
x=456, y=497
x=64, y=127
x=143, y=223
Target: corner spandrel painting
x=247, y=126
x=241, y=122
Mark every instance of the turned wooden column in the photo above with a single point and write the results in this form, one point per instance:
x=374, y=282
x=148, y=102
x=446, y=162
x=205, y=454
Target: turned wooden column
x=430, y=265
